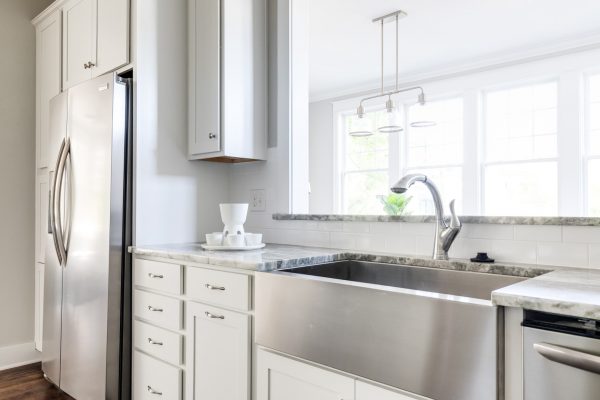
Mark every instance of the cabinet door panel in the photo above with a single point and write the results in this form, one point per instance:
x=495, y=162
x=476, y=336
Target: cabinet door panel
x=366, y=391
x=48, y=48
x=205, y=40
x=79, y=44
x=218, y=354
x=112, y=36
x=282, y=378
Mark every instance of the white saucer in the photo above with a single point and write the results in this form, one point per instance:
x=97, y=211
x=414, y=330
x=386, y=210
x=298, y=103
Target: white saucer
x=255, y=247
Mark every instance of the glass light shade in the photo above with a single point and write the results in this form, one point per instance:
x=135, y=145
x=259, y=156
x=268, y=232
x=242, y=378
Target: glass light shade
x=391, y=121
x=360, y=126
x=423, y=124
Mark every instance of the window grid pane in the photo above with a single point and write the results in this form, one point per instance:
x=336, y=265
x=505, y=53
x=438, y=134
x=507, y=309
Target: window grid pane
x=440, y=144
x=521, y=123
x=521, y=189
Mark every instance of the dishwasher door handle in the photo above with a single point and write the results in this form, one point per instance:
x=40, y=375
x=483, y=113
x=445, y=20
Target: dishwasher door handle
x=566, y=356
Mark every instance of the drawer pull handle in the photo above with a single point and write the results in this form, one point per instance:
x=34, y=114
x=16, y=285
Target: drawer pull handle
x=211, y=287
x=215, y=316
x=153, y=391
x=157, y=276
x=150, y=308
x=151, y=341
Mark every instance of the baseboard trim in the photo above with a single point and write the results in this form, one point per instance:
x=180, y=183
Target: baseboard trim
x=18, y=355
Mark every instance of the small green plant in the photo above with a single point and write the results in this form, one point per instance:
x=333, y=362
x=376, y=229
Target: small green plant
x=395, y=203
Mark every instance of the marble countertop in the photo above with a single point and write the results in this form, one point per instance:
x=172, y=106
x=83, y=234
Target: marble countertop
x=466, y=219
x=569, y=291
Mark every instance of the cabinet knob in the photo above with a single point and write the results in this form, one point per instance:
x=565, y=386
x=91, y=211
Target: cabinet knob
x=85, y=66
x=212, y=136
x=152, y=341
x=157, y=276
x=212, y=287
x=150, y=308
x=91, y=64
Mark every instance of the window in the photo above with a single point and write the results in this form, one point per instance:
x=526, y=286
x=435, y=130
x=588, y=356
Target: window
x=435, y=151
x=593, y=146
x=520, y=135
x=365, y=166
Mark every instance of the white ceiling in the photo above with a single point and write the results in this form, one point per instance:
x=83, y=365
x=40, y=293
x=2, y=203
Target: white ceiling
x=436, y=34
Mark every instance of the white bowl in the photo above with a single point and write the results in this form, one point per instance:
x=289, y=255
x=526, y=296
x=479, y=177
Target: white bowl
x=235, y=240
x=253, y=239
x=214, y=239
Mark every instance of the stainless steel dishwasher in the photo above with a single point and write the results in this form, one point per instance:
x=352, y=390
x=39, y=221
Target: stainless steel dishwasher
x=561, y=357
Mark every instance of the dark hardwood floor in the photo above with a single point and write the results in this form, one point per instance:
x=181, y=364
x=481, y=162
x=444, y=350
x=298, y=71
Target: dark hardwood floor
x=28, y=383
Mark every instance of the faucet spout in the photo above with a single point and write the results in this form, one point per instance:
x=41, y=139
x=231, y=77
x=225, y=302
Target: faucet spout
x=445, y=232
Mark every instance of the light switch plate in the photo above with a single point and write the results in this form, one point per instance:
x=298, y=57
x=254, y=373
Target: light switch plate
x=258, y=202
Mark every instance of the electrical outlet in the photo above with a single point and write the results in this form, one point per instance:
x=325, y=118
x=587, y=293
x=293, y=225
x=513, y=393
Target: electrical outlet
x=258, y=202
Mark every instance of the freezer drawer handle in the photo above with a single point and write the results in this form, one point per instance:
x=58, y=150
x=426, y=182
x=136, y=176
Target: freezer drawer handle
x=152, y=341
x=152, y=391
x=157, y=276
x=566, y=356
x=211, y=287
x=210, y=315
x=150, y=308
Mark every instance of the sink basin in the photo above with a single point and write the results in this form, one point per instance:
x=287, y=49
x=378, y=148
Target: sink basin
x=457, y=283
x=428, y=331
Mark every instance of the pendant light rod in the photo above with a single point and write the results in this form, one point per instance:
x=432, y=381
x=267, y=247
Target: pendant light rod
x=396, y=52
x=382, y=51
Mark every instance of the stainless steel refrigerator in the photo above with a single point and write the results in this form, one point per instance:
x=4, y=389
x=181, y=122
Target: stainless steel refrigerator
x=86, y=331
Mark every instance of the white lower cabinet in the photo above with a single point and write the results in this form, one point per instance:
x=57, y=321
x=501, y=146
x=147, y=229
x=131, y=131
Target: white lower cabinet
x=218, y=353
x=366, y=391
x=282, y=378
x=153, y=379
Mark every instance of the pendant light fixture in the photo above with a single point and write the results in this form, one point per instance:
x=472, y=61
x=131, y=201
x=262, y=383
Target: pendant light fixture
x=391, y=121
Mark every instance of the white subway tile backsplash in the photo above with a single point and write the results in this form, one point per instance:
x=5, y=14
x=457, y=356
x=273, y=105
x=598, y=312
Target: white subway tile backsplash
x=594, y=256
x=575, y=246
x=514, y=251
x=538, y=233
x=342, y=240
x=374, y=243
x=356, y=227
x=488, y=231
x=581, y=234
x=467, y=248
x=331, y=226
x=563, y=254
x=401, y=244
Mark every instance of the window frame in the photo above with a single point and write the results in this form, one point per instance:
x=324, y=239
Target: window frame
x=572, y=75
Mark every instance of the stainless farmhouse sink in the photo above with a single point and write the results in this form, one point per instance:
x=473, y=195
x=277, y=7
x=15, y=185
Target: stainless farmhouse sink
x=428, y=331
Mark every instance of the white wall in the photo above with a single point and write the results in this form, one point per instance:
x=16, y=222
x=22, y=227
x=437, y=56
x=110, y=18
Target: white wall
x=176, y=199
x=17, y=177
x=320, y=164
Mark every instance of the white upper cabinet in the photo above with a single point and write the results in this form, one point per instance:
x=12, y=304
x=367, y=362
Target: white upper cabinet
x=95, y=38
x=228, y=80
x=79, y=46
x=48, y=79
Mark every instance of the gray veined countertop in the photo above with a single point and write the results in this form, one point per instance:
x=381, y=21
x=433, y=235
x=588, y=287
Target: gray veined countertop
x=570, y=291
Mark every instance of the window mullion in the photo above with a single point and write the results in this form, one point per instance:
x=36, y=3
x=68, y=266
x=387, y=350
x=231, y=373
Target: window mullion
x=471, y=151
x=569, y=140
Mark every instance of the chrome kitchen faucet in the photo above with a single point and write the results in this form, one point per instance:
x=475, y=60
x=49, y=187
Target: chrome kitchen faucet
x=445, y=232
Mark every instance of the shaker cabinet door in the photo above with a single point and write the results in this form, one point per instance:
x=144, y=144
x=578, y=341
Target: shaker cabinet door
x=79, y=41
x=282, y=378
x=205, y=74
x=112, y=36
x=218, y=353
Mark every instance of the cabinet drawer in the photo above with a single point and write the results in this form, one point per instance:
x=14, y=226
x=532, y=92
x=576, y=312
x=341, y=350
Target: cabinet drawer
x=153, y=379
x=161, y=310
x=160, y=343
x=218, y=287
x=159, y=276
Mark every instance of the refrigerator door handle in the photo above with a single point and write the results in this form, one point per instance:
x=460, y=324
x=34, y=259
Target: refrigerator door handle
x=52, y=209
x=57, y=188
